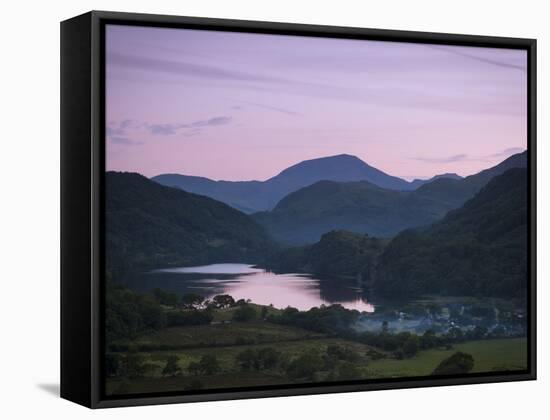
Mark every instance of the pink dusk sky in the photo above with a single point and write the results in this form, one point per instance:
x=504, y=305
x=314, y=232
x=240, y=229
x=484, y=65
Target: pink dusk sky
x=239, y=106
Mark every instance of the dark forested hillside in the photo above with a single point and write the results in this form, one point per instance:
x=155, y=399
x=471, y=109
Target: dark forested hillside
x=305, y=215
x=338, y=253
x=253, y=196
x=479, y=249
x=363, y=207
x=149, y=225
x=455, y=192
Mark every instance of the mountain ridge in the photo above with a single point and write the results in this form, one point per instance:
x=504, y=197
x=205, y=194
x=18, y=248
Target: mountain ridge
x=303, y=216
x=253, y=196
x=479, y=248
x=150, y=226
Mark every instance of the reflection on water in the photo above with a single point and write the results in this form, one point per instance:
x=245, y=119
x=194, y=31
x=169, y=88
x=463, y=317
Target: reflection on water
x=214, y=269
x=244, y=281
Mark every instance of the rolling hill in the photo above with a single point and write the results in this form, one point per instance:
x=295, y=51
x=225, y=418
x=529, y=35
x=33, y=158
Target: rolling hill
x=479, y=249
x=303, y=216
x=338, y=253
x=253, y=196
x=149, y=225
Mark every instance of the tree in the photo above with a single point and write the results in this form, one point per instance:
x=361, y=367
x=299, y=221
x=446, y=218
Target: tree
x=455, y=334
x=410, y=346
x=428, y=340
x=338, y=352
x=247, y=360
x=209, y=364
x=132, y=365
x=264, y=358
x=269, y=358
x=347, y=371
x=192, y=301
x=171, y=368
x=306, y=365
x=478, y=332
x=194, y=368
x=244, y=313
x=165, y=298
x=223, y=301
x=457, y=364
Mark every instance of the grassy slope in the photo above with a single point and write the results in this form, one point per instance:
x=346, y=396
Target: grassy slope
x=222, y=342
x=489, y=355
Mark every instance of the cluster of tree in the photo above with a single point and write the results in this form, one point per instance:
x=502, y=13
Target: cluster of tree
x=335, y=362
x=266, y=358
x=325, y=319
x=132, y=364
x=340, y=321
x=196, y=301
x=172, y=367
x=129, y=365
x=406, y=344
x=401, y=345
x=207, y=365
x=192, y=317
x=129, y=313
x=457, y=364
x=245, y=313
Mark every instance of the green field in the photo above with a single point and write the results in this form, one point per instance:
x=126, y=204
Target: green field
x=227, y=340
x=489, y=355
x=235, y=333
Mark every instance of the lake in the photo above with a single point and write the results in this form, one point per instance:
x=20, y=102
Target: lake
x=244, y=281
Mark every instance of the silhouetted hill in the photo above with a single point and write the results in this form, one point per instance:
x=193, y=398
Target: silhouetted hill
x=252, y=196
x=149, y=225
x=419, y=182
x=304, y=215
x=362, y=207
x=479, y=249
x=338, y=253
x=455, y=192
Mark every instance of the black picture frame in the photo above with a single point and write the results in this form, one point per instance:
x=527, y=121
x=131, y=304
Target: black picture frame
x=82, y=204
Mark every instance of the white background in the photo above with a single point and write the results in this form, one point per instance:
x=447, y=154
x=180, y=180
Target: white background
x=29, y=271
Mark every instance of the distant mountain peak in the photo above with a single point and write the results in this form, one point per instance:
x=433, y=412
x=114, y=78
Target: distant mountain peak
x=419, y=182
x=334, y=159
x=253, y=196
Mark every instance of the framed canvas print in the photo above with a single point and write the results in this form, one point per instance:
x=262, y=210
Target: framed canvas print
x=256, y=209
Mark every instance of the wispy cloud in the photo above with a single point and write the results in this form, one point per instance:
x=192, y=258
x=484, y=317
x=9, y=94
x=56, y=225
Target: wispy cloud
x=447, y=159
x=117, y=132
x=464, y=157
x=507, y=152
x=186, y=68
x=272, y=108
x=119, y=128
x=121, y=132
x=211, y=122
x=172, y=129
x=124, y=141
x=163, y=129
x=478, y=58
